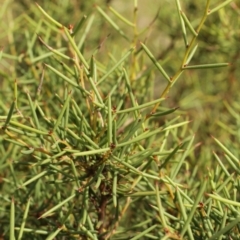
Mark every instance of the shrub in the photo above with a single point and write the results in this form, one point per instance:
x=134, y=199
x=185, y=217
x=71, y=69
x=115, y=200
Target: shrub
x=90, y=147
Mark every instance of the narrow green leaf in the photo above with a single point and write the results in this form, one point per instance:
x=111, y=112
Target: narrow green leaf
x=58, y=53
x=9, y=116
x=21, y=230
x=91, y=226
x=86, y=31
x=110, y=119
x=114, y=25
x=57, y=206
x=182, y=23
x=114, y=188
x=87, y=232
x=17, y=143
x=82, y=117
x=221, y=164
x=114, y=127
x=28, y=151
x=93, y=69
x=25, y=127
x=213, y=65
x=65, y=116
x=43, y=173
x=16, y=93
x=191, y=54
x=46, y=55
x=62, y=76
x=142, y=235
x=219, y=6
x=75, y=173
x=34, y=231
x=155, y=62
x=135, y=170
x=223, y=200
x=33, y=110
x=92, y=152
x=130, y=92
x=226, y=229
x=194, y=207
x=12, y=220
x=115, y=66
x=51, y=20
x=89, y=140
x=79, y=25
x=77, y=51
x=94, y=87
x=184, y=214
x=232, y=164
x=141, y=156
x=222, y=186
x=161, y=210
x=176, y=125
x=142, y=136
x=158, y=114
x=54, y=234
x=188, y=24
x=121, y=17
x=145, y=105
x=235, y=159
x=169, y=157
x=85, y=205
x=176, y=169
x=66, y=103
x=13, y=116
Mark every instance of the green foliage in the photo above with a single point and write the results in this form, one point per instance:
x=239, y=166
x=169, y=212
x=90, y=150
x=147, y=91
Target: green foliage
x=93, y=142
